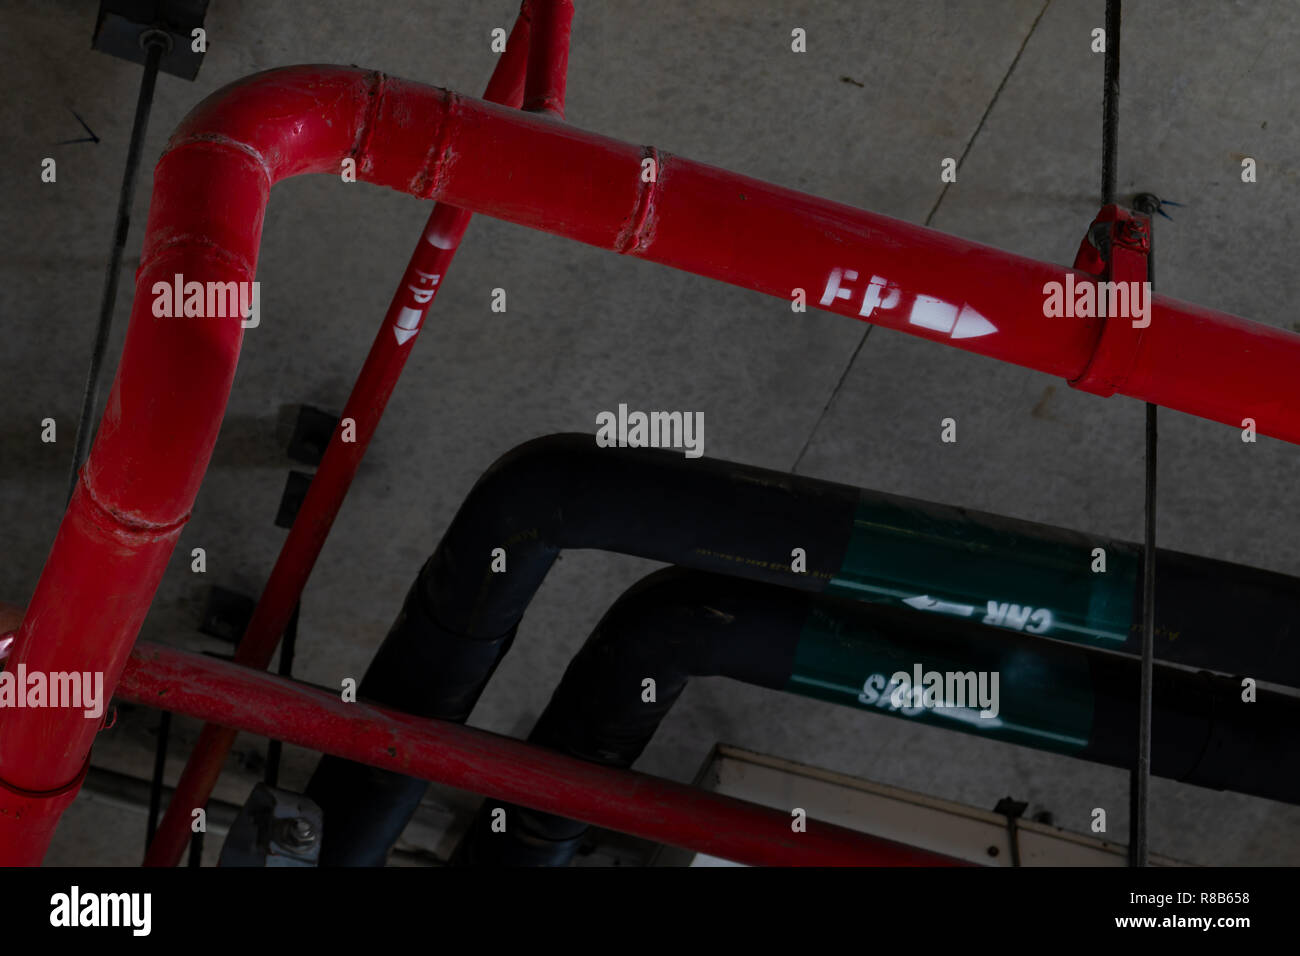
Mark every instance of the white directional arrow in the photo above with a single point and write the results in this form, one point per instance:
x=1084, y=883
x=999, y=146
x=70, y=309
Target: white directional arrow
x=407, y=324
x=440, y=240
x=940, y=316
x=923, y=602
x=971, y=325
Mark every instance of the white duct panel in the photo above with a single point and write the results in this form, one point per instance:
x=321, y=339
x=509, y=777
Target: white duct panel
x=967, y=833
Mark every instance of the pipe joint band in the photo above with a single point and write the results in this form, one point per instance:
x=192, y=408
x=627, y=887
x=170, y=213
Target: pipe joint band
x=70, y=788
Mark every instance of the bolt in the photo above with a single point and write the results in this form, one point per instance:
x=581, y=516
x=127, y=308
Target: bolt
x=1146, y=203
x=303, y=830
x=298, y=833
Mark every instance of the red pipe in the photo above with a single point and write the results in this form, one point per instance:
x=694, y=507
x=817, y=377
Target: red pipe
x=548, y=56
x=411, y=302
x=498, y=767
x=244, y=699
x=210, y=192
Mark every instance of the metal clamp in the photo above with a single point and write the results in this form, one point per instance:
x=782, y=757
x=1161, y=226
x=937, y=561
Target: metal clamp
x=1125, y=243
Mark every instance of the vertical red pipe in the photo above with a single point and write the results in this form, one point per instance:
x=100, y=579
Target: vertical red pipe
x=500, y=767
x=410, y=304
x=548, y=56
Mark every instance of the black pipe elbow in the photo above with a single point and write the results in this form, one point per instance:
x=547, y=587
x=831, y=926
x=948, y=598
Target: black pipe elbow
x=677, y=624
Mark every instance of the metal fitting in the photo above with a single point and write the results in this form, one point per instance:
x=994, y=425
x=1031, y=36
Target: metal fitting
x=297, y=834
x=156, y=37
x=1146, y=203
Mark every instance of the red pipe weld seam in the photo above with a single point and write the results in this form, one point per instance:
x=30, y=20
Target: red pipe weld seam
x=205, y=222
x=500, y=767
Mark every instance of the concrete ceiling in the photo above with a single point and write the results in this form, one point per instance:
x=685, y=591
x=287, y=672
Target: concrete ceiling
x=885, y=92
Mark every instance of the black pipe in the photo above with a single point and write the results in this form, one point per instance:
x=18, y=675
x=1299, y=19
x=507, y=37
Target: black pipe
x=564, y=491
x=676, y=625
x=546, y=495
